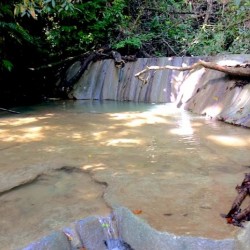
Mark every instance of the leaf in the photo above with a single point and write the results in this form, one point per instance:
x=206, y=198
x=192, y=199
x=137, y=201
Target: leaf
x=16, y=10
x=7, y=64
x=32, y=12
x=237, y=2
x=69, y=237
x=53, y=3
x=229, y=220
x=105, y=225
x=137, y=211
x=22, y=9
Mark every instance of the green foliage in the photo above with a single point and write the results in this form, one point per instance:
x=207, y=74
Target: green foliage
x=131, y=42
x=227, y=35
x=34, y=33
x=16, y=32
x=61, y=28
x=111, y=21
x=239, y=27
x=33, y=8
x=7, y=65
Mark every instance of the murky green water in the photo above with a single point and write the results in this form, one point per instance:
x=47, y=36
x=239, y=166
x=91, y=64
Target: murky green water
x=178, y=169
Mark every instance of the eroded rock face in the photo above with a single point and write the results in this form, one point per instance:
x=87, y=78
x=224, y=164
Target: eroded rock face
x=73, y=70
x=103, y=81
x=212, y=93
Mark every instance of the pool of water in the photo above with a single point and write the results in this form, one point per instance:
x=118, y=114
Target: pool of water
x=174, y=169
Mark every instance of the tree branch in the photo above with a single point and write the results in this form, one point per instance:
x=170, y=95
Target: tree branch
x=10, y=111
x=238, y=70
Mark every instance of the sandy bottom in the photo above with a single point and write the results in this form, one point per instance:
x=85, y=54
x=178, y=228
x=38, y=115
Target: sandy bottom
x=61, y=164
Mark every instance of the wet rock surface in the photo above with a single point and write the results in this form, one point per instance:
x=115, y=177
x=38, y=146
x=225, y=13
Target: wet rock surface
x=215, y=94
x=134, y=233
x=52, y=200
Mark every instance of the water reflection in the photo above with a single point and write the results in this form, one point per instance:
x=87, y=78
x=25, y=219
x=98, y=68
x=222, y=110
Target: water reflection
x=85, y=106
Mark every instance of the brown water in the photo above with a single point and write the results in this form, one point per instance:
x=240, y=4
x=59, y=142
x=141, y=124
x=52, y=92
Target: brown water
x=179, y=169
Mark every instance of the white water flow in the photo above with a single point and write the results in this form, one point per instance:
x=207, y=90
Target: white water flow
x=111, y=228
x=175, y=170
x=111, y=232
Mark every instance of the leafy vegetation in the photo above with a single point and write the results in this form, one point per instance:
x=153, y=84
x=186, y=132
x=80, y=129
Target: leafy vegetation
x=38, y=32
x=156, y=28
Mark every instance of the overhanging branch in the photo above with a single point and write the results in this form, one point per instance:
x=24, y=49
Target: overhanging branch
x=238, y=70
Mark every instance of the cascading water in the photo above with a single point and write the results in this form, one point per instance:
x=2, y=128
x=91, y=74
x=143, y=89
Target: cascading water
x=110, y=228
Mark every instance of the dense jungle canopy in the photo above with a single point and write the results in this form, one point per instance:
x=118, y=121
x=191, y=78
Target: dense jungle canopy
x=37, y=37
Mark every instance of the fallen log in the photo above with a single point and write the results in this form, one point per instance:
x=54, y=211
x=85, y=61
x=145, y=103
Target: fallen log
x=241, y=70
